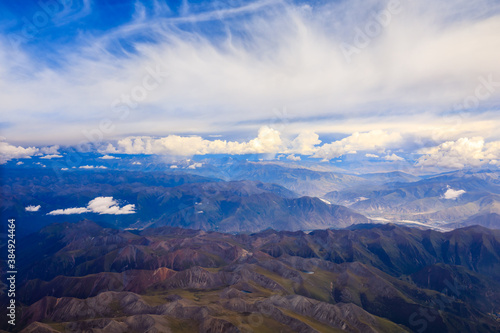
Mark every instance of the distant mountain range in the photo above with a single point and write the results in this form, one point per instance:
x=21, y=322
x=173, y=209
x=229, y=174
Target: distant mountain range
x=458, y=198
x=162, y=199
x=370, y=278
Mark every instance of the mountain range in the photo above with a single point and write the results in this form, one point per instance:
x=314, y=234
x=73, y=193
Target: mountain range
x=368, y=278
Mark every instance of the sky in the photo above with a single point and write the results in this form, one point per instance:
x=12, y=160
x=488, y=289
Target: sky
x=388, y=80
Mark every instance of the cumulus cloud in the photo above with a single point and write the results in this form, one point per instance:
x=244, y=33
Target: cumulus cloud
x=305, y=143
x=371, y=155
x=452, y=194
x=108, y=157
x=393, y=158
x=9, y=152
x=108, y=205
x=51, y=150
x=292, y=157
x=461, y=153
x=32, y=208
x=373, y=140
x=92, y=167
x=193, y=166
x=48, y=157
x=99, y=205
x=268, y=140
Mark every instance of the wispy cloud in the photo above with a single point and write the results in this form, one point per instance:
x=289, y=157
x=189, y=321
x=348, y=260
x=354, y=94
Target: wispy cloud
x=256, y=57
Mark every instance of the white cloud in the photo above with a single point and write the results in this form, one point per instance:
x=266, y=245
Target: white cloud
x=48, y=157
x=292, y=157
x=394, y=158
x=64, y=169
x=173, y=167
x=52, y=150
x=99, y=205
x=108, y=205
x=373, y=140
x=32, y=208
x=40, y=164
x=283, y=53
x=372, y=155
x=461, y=153
x=69, y=211
x=92, y=167
x=136, y=163
x=9, y=152
x=452, y=194
x=20, y=163
x=268, y=140
x=304, y=144
x=108, y=157
x=193, y=166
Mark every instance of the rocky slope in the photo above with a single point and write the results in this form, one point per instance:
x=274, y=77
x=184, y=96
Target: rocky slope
x=372, y=278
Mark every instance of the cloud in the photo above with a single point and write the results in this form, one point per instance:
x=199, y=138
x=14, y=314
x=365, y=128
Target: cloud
x=107, y=205
x=52, y=150
x=99, y=205
x=274, y=54
x=69, y=211
x=108, y=157
x=92, y=167
x=48, y=157
x=20, y=163
x=193, y=166
x=394, y=158
x=293, y=158
x=136, y=163
x=373, y=140
x=372, y=155
x=32, y=208
x=452, y=194
x=9, y=152
x=459, y=154
x=305, y=143
x=268, y=140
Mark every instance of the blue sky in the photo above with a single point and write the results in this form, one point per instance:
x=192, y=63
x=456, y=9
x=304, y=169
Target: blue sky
x=317, y=78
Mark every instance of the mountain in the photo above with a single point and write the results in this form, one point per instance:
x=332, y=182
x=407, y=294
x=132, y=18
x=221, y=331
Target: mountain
x=22, y=187
x=306, y=181
x=162, y=199
x=447, y=199
x=247, y=206
x=369, y=278
x=488, y=220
